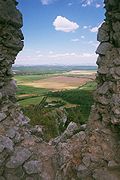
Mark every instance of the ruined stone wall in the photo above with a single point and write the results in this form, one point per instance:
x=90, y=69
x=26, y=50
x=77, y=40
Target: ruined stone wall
x=108, y=93
x=92, y=152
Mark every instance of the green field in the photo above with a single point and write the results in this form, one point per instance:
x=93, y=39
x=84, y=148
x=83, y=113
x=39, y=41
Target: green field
x=31, y=78
x=90, y=86
x=31, y=90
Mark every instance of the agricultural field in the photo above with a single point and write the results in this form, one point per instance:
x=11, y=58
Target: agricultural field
x=51, y=93
x=32, y=87
x=57, y=83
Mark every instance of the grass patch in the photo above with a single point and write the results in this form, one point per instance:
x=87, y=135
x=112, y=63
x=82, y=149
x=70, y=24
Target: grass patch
x=83, y=97
x=31, y=90
x=90, y=86
x=35, y=95
x=46, y=117
x=30, y=101
x=30, y=78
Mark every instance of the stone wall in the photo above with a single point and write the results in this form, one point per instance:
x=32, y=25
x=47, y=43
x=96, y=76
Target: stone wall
x=91, y=153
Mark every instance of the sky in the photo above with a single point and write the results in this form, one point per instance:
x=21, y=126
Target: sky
x=60, y=32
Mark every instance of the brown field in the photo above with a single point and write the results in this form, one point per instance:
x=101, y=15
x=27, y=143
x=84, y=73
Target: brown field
x=59, y=82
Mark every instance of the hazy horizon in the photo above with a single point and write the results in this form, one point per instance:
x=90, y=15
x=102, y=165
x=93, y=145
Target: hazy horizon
x=95, y=65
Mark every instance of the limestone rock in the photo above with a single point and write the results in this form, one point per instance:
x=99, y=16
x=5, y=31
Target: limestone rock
x=117, y=71
x=33, y=167
x=70, y=131
x=83, y=127
x=82, y=172
x=2, y=116
x=104, y=174
x=117, y=61
x=86, y=160
x=11, y=133
x=1, y=147
x=9, y=89
x=37, y=130
x=103, y=33
x=115, y=120
x=102, y=100
x=112, y=164
x=0, y=95
x=116, y=26
x=9, y=14
x=103, y=48
x=81, y=135
x=16, y=174
x=19, y=157
x=116, y=110
x=18, y=138
x=116, y=38
x=103, y=89
x=6, y=143
x=72, y=127
x=22, y=119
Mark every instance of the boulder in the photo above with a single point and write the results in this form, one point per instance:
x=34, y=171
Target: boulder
x=103, y=33
x=6, y=143
x=33, y=167
x=19, y=157
x=2, y=116
x=103, y=48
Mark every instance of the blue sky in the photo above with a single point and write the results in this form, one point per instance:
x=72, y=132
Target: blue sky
x=60, y=32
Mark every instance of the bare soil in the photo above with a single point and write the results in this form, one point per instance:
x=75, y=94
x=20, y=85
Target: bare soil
x=59, y=82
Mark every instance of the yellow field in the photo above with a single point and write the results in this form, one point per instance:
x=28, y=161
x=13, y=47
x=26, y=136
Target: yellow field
x=58, y=83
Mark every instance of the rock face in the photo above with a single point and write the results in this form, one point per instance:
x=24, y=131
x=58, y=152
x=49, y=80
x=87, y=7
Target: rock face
x=86, y=152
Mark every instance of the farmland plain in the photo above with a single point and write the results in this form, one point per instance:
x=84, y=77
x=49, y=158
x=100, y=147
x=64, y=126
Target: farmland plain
x=71, y=90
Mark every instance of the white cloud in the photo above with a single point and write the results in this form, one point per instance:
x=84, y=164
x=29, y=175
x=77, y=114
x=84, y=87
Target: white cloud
x=87, y=27
x=91, y=43
x=75, y=40
x=60, y=58
x=88, y=55
x=65, y=25
x=71, y=55
x=98, y=5
x=46, y=2
x=95, y=29
x=58, y=55
x=86, y=3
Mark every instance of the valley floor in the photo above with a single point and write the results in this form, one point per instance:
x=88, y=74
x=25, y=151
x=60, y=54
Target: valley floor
x=47, y=98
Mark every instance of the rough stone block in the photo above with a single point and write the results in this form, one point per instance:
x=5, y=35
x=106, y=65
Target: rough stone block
x=103, y=48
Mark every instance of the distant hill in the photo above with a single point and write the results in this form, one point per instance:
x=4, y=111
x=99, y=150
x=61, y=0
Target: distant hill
x=48, y=69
